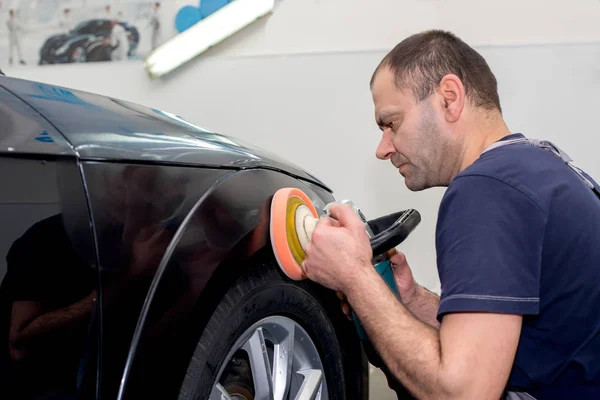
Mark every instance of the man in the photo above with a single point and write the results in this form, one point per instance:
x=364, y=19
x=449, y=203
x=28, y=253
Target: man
x=516, y=239
x=65, y=23
x=14, y=40
x=119, y=42
x=155, y=25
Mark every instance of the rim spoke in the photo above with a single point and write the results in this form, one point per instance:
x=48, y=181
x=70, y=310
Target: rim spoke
x=282, y=364
x=259, y=363
x=219, y=393
x=310, y=386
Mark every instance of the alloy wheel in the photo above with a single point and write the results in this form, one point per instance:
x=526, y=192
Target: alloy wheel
x=275, y=359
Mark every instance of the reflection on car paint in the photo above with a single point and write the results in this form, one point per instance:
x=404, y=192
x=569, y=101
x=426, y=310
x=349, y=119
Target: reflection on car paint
x=48, y=286
x=51, y=93
x=44, y=137
x=136, y=211
x=21, y=126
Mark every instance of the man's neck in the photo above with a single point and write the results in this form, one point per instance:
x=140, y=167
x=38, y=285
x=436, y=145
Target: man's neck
x=485, y=132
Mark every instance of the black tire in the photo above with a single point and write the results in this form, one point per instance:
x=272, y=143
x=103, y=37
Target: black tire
x=264, y=291
x=71, y=56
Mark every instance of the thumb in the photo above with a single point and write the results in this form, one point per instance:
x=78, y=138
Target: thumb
x=402, y=272
x=398, y=260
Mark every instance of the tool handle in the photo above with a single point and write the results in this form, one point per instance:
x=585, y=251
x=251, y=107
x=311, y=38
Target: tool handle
x=388, y=236
x=384, y=269
x=396, y=233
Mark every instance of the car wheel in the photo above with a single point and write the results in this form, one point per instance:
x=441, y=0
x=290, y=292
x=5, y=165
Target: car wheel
x=78, y=55
x=273, y=338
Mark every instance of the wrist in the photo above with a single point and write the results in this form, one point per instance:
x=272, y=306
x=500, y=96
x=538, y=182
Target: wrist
x=361, y=282
x=414, y=295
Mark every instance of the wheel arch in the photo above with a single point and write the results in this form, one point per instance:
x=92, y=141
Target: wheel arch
x=226, y=228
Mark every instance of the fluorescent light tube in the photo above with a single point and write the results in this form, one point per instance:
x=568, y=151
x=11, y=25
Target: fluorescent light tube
x=204, y=34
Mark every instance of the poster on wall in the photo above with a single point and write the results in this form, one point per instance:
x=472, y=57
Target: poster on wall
x=45, y=32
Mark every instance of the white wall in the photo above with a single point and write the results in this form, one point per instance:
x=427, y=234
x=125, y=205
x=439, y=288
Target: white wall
x=298, y=80
x=316, y=26
x=321, y=106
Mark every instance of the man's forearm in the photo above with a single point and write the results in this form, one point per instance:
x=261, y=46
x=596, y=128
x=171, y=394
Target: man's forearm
x=425, y=306
x=40, y=331
x=409, y=347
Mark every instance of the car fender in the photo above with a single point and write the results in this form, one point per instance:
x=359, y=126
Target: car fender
x=77, y=40
x=224, y=229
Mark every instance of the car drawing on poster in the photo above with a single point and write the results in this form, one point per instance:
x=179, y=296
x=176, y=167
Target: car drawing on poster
x=88, y=41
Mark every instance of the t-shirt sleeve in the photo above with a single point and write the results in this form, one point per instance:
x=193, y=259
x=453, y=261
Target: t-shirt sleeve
x=489, y=248
x=31, y=275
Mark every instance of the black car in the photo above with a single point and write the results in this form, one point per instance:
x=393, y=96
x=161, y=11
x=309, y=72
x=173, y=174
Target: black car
x=85, y=43
x=135, y=261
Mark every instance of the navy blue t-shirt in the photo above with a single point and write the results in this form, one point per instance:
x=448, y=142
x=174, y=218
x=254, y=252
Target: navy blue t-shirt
x=519, y=232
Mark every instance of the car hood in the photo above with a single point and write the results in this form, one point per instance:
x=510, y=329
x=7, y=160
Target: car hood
x=104, y=128
x=56, y=41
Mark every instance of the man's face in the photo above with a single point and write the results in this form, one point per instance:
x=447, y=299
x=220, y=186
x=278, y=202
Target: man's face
x=412, y=136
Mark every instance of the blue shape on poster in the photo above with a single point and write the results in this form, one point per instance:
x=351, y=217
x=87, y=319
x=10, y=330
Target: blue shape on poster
x=188, y=15
x=208, y=7
x=44, y=137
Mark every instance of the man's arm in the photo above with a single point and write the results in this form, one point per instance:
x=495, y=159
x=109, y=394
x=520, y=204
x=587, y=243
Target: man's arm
x=471, y=355
x=416, y=298
x=424, y=305
x=32, y=329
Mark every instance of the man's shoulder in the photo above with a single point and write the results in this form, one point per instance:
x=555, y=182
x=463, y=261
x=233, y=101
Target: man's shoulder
x=512, y=162
x=521, y=169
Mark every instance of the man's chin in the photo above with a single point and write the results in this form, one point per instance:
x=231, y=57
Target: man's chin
x=412, y=185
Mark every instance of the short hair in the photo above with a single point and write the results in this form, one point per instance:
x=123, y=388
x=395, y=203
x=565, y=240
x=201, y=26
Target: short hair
x=420, y=61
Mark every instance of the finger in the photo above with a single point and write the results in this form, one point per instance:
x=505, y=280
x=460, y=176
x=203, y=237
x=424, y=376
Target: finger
x=326, y=221
x=335, y=223
x=346, y=308
x=345, y=215
x=340, y=295
x=303, y=268
x=399, y=259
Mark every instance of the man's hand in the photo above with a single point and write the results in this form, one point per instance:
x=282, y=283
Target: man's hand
x=339, y=251
x=408, y=288
x=346, y=309
x=418, y=300
x=405, y=282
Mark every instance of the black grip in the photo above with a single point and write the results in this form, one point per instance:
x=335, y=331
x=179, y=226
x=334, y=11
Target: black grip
x=395, y=233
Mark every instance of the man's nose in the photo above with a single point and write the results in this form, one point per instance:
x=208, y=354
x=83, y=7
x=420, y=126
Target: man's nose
x=385, y=149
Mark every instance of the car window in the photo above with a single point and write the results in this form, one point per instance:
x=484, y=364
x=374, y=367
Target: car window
x=92, y=27
x=48, y=282
x=84, y=27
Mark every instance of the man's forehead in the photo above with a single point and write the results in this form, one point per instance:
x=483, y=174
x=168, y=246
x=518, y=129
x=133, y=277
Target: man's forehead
x=390, y=102
x=385, y=91
x=383, y=80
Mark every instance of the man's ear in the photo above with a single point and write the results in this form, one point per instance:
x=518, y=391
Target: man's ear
x=452, y=93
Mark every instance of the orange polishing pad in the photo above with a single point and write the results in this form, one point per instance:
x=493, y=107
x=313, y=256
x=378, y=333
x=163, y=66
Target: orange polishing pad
x=284, y=238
